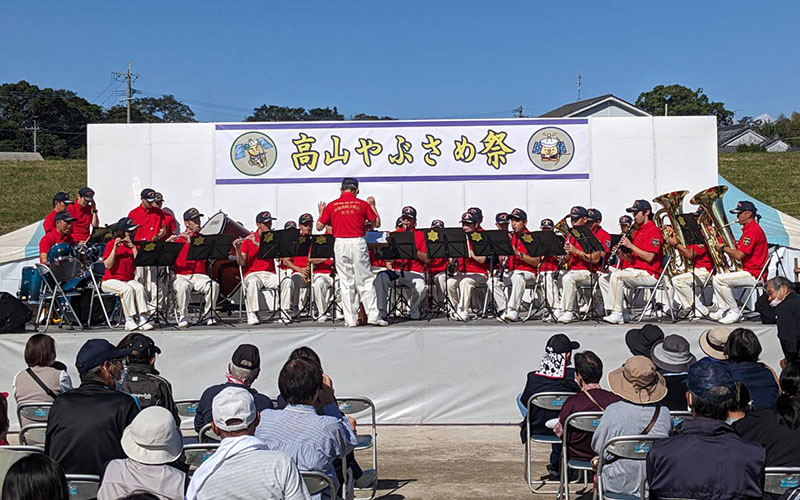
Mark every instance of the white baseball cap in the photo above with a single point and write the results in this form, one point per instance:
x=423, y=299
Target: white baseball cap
x=233, y=403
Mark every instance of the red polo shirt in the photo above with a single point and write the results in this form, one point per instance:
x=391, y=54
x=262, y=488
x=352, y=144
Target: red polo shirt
x=149, y=222
x=575, y=262
x=603, y=237
x=415, y=265
x=82, y=225
x=183, y=266
x=754, y=245
x=50, y=239
x=123, y=268
x=468, y=265
x=170, y=223
x=650, y=239
x=347, y=215
x=252, y=262
x=515, y=263
x=702, y=258
x=50, y=221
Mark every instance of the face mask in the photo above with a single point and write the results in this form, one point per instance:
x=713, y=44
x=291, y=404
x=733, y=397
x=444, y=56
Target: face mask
x=775, y=302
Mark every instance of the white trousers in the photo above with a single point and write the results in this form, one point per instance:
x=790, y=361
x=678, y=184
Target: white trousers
x=461, y=286
x=148, y=276
x=299, y=290
x=724, y=284
x=131, y=294
x=355, y=279
x=552, y=288
x=684, y=292
x=626, y=278
x=185, y=284
x=570, y=281
x=322, y=288
x=518, y=280
x=255, y=281
x=413, y=280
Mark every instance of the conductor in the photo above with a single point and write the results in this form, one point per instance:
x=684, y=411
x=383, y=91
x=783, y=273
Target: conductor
x=347, y=216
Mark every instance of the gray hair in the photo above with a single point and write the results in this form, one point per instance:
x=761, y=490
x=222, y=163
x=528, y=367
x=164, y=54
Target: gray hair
x=779, y=281
x=244, y=374
x=92, y=375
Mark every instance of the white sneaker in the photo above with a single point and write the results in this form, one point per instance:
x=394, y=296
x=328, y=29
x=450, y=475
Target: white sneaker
x=731, y=317
x=718, y=314
x=511, y=315
x=211, y=322
x=146, y=327
x=367, y=478
x=378, y=322
x=142, y=320
x=615, y=318
x=567, y=317
x=183, y=323
x=462, y=315
x=583, y=308
x=130, y=324
x=323, y=318
x=252, y=319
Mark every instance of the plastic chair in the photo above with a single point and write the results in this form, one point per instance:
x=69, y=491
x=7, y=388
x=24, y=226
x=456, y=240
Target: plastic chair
x=353, y=405
x=779, y=479
x=623, y=447
x=34, y=412
x=187, y=409
x=83, y=486
x=317, y=482
x=546, y=401
x=195, y=454
x=206, y=435
x=585, y=421
x=33, y=434
x=52, y=292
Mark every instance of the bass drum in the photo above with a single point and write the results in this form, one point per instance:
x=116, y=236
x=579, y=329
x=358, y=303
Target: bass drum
x=226, y=273
x=219, y=223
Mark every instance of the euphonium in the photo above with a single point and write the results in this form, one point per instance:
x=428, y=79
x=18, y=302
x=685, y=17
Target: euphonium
x=716, y=228
x=673, y=207
x=563, y=228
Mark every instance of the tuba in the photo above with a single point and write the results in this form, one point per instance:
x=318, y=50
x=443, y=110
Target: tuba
x=668, y=216
x=716, y=228
x=563, y=228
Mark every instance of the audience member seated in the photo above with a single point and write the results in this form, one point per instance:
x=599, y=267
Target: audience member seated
x=712, y=343
x=35, y=477
x=244, y=466
x=313, y=441
x=553, y=375
x=778, y=429
x=139, y=495
x=673, y=358
x=45, y=378
x=143, y=381
x=8, y=457
x=641, y=387
x=589, y=371
x=741, y=403
x=151, y=442
x=786, y=302
x=640, y=341
x=706, y=459
x=742, y=351
x=86, y=424
x=243, y=370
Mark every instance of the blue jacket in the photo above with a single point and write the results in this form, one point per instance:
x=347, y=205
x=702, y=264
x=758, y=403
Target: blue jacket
x=759, y=381
x=705, y=460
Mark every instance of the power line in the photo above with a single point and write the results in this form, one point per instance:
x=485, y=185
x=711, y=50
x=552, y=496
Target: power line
x=130, y=91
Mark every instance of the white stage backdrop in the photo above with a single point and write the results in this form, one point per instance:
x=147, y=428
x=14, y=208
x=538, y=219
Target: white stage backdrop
x=604, y=163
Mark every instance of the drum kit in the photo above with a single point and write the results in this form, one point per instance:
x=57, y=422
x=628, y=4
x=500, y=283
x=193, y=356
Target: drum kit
x=70, y=266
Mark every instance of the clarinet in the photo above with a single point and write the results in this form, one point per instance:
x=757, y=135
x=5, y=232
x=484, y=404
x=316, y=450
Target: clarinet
x=615, y=249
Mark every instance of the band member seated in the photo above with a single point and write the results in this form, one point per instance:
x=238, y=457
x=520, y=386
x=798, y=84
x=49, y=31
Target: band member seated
x=479, y=214
x=299, y=267
x=752, y=251
x=436, y=268
x=470, y=272
x=646, y=259
x=259, y=273
x=119, y=279
x=502, y=222
x=614, y=262
x=548, y=272
x=518, y=271
x=192, y=275
x=595, y=220
x=62, y=233
x=683, y=285
x=581, y=266
x=84, y=210
x=410, y=272
x=60, y=202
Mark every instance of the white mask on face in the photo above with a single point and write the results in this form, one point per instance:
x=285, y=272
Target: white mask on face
x=775, y=302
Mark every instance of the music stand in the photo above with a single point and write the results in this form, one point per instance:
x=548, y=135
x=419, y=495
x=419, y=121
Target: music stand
x=157, y=254
x=402, y=248
x=279, y=244
x=544, y=244
x=446, y=243
x=102, y=234
x=491, y=244
x=692, y=235
x=589, y=244
x=210, y=247
x=322, y=248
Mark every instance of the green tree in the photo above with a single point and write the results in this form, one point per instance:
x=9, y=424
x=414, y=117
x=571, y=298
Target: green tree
x=365, y=117
x=682, y=101
x=272, y=113
x=164, y=109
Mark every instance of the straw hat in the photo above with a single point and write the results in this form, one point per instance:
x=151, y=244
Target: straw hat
x=153, y=437
x=713, y=340
x=638, y=381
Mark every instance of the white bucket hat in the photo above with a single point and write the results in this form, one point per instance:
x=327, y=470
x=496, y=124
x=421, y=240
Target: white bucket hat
x=153, y=437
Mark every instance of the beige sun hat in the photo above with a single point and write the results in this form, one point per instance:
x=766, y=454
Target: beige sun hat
x=153, y=437
x=713, y=340
x=638, y=381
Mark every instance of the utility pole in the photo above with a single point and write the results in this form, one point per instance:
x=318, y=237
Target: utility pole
x=518, y=111
x=129, y=90
x=34, y=129
x=579, y=86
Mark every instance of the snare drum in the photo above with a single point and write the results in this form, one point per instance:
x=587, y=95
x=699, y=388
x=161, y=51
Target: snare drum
x=60, y=251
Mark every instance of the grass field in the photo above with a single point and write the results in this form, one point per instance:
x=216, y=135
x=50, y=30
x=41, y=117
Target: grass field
x=27, y=188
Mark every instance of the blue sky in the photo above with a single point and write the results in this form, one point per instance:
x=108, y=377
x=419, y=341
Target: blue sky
x=409, y=59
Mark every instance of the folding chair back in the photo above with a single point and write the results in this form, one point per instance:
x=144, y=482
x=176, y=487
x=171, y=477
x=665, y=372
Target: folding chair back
x=317, y=482
x=679, y=417
x=206, y=435
x=34, y=412
x=195, y=454
x=779, y=479
x=660, y=285
x=585, y=421
x=33, y=434
x=187, y=409
x=52, y=292
x=552, y=401
x=760, y=283
x=352, y=406
x=83, y=486
x=623, y=447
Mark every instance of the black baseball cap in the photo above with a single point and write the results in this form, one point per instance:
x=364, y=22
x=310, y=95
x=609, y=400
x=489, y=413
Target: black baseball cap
x=95, y=352
x=469, y=217
x=65, y=216
x=247, y=356
x=518, y=214
x=62, y=196
x=349, y=183
x=398, y=222
x=594, y=215
x=547, y=223
x=744, y=206
x=305, y=218
x=711, y=381
x=437, y=223
x=86, y=193
x=290, y=224
x=501, y=217
x=264, y=217
x=192, y=213
x=159, y=196
x=148, y=195
x=560, y=343
x=639, y=206
x=477, y=211
x=126, y=224
x=143, y=347
x=409, y=211
x=626, y=219
x=578, y=211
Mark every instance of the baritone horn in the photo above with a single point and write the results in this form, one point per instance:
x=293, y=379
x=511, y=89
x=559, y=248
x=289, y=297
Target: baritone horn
x=716, y=228
x=667, y=221
x=563, y=228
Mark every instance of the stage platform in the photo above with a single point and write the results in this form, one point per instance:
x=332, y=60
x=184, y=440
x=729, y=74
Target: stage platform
x=416, y=372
